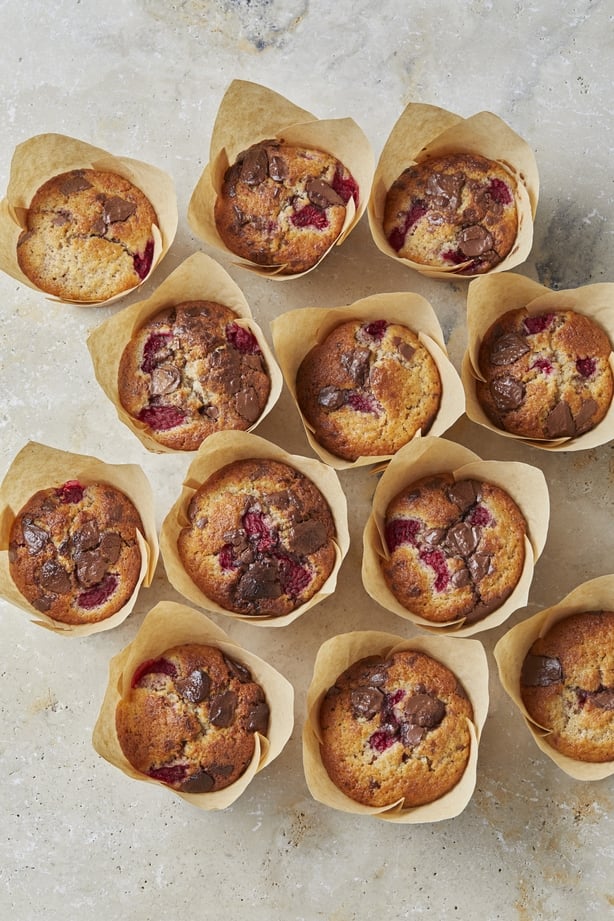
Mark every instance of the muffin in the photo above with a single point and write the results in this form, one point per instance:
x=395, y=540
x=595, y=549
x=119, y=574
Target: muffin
x=452, y=210
x=545, y=375
x=282, y=205
x=73, y=551
x=395, y=729
x=192, y=370
x=368, y=388
x=88, y=236
x=567, y=685
x=261, y=538
x=456, y=549
x=189, y=717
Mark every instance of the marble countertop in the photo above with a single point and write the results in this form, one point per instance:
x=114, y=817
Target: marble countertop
x=144, y=78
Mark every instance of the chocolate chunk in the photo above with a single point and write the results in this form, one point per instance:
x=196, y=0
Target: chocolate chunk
x=424, y=710
x=195, y=687
x=444, y=189
x=202, y=782
x=117, y=209
x=277, y=167
x=34, y=537
x=507, y=349
x=258, y=718
x=307, y=537
x=99, y=227
x=604, y=698
x=583, y=418
x=91, y=567
x=110, y=546
x=475, y=241
x=540, y=671
x=356, y=363
x=222, y=709
x=479, y=565
x=87, y=537
x=255, y=166
x=404, y=349
x=260, y=580
x=411, y=734
x=54, y=578
x=461, y=578
x=247, y=404
x=464, y=493
x=238, y=670
x=322, y=194
x=210, y=411
x=462, y=538
x=42, y=604
x=559, y=421
x=75, y=182
x=433, y=536
x=366, y=702
x=164, y=379
x=331, y=397
x=237, y=539
x=61, y=218
x=507, y=393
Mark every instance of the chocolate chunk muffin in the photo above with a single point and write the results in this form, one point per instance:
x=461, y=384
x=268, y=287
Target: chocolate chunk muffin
x=88, y=236
x=567, y=685
x=396, y=729
x=453, y=210
x=456, y=548
x=368, y=388
x=282, y=205
x=191, y=370
x=261, y=539
x=189, y=718
x=73, y=551
x=547, y=375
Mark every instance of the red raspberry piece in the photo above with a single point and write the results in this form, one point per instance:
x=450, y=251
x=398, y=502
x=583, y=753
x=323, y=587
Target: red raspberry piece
x=310, y=216
x=376, y=329
x=153, y=345
x=393, y=699
x=401, y=531
x=226, y=557
x=454, y=256
x=242, y=339
x=363, y=402
x=397, y=237
x=142, y=263
x=294, y=578
x=480, y=516
x=542, y=364
x=153, y=667
x=381, y=740
x=539, y=323
x=71, y=491
x=161, y=418
x=259, y=530
x=100, y=593
x=346, y=188
x=172, y=774
x=437, y=561
x=499, y=191
x=586, y=366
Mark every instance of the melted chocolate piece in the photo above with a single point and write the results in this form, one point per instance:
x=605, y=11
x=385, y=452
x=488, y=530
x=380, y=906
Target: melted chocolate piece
x=222, y=709
x=307, y=537
x=424, y=709
x=540, y=671
x=583, y=419
x=255, y=166
x=507, y=349
x=195, y=687
x=479, y=565
x=277, y=167
x=42, y=604
x=321, y=194
x=603, y=698
x=475, y=241
x=433, y=536
x=91, y=567
x=110, y=546
x=507, y=393
x=404, y=349
x=461, y=578
x=247, y=404
x=444, y=189
x=356, y=363
x=238, y=670
x=164, y=379
x=559, y=421
x=366, y=702
x=86, y=537
x=411, y=734
x=464, y=493
x=331, y=397
x=75, y=183
x=462, y=538
x=202, y=782
x=34, y=537
x=54, y=578
x=258, y=719
x=117, y=209
x=260, y=580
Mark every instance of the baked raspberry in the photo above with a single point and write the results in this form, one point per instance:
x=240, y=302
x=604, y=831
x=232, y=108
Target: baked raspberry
x=479, y=517
x=171, y=774
x=382, y=739
x=154, y=344
x=256, y=527
x=437, y=561
x=454, y=256
x=142, y=263
x=401, y=531
x=153, y=667
x=364, y=403
x=538, y=324
x=586, y=367
x=294, y=577
x=71, y=491
x=346, y=188
x=161, y=418
x=242, y=339
x=100, y=593
x=542, y=364
x=397, y=237
x=226, y=557
x=310, y=216
x=376, y=329
x=500, y=192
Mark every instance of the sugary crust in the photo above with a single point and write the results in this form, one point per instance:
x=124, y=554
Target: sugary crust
x=368, y=388
x=567, y=685
x=283, y=205
x=396, y=729
x=73, y=551
x=452, y=210
x=261, y=539
x=190, y=717
x=456, y=548
x=545, y=376
x=193, y=370
x=88, y=236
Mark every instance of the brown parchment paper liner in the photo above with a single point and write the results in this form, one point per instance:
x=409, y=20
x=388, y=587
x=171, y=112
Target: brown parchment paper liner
x=249, y=113
x=220, y=449
x=424, y=131
x=489, y=298
x=429, y=456
x=295, y=333
x=169, y=624
x=46, y=155
x=197, y=278
x=38, y=466
x=510, y=651
x=466, y=658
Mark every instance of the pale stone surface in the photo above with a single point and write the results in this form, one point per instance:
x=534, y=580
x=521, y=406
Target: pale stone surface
x=143, y=78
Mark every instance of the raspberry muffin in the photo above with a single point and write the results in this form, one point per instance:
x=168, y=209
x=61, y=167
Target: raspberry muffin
x=261, y=539
x=368, y=388
x=456, y=548
x=396, y=729
x=282, y=205
x=88, y=236
x=192, y=370
x=189, y=718
x=453, y=210
x=73, y=551
x=567, y=685
x=546, y=375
